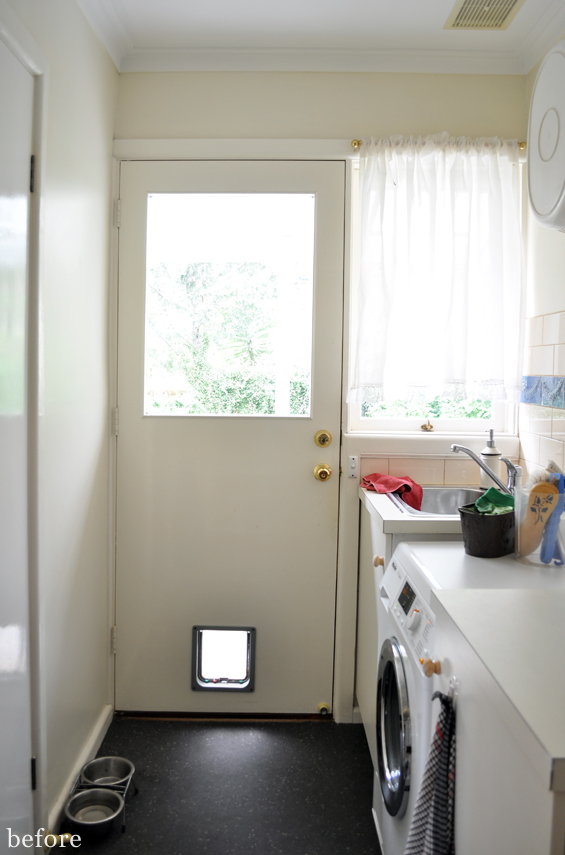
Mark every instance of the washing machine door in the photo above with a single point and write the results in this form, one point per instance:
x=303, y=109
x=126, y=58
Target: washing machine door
x=393, y=727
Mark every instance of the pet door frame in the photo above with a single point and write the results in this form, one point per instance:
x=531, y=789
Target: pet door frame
x=199, y=684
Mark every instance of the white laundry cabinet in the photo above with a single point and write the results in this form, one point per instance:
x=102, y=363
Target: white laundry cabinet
x=383, y=527
x=507, y=651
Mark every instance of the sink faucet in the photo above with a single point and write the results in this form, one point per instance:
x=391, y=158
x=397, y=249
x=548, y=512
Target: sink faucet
x=514, y=472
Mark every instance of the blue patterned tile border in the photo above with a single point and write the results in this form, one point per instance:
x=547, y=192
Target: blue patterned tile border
x=552, y=392
x=531, y=390
x=545, y=391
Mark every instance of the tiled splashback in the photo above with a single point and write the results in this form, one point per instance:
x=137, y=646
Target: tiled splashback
x=425, y=469
x=542, y=411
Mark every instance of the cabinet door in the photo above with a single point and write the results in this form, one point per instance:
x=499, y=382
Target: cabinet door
x=495, y=780
x=373, y=541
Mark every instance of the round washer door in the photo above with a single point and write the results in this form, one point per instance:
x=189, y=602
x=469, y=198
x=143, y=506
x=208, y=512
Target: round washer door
x=393, y=728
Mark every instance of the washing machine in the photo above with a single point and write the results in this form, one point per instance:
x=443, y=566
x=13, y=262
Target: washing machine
x=405, y=715
x=403, y=703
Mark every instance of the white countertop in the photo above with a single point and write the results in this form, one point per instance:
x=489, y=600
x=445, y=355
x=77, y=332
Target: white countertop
x=519, y=635
x=396, y=522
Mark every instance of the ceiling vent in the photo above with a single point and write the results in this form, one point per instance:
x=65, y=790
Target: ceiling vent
x=483, y=14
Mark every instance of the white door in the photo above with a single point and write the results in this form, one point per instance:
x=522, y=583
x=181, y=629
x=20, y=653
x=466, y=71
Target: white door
x=220, y=520
x=16, y=109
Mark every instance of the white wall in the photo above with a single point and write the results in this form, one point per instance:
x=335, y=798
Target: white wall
x=73, y=429
x=542, y=427
x=311, y=105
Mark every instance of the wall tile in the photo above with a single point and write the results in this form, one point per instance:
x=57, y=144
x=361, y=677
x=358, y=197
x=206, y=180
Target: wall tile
x=535, y=419
x=534, y=331
x=463, y=471
x=558, y=424
x=542, y=360
x=561, y=328
x=368, y=465
x=531, y=390
x=551, y=449
x=554, y=328
x=551, y=392
x=422, y=470
x=529, y=445
x=559, y=360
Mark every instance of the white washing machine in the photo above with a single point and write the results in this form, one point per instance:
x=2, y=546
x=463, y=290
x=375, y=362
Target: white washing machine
x=404, y=710
x=403, y=703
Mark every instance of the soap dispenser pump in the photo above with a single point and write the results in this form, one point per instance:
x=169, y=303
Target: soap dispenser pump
x=491, y=456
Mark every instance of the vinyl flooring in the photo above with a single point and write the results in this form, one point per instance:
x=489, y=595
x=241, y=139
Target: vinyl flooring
x=242, y=788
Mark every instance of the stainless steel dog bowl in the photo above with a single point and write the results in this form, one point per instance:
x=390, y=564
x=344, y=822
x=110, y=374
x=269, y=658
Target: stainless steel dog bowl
x=108, y=771
x=92, y=812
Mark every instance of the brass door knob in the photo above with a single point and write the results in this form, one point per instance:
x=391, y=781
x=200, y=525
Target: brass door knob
x=322, y=472
x=323, y=438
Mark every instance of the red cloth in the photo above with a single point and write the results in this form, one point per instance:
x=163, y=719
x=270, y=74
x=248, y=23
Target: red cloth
x=410, y=491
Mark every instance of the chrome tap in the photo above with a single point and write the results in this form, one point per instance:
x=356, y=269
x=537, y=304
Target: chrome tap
x=514, y=472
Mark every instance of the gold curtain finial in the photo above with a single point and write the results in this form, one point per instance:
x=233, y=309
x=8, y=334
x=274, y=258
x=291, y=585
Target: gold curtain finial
x=522, y=146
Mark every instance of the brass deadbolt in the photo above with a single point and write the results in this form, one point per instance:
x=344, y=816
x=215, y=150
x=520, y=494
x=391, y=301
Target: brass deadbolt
x=323, y=438
x=322, y=472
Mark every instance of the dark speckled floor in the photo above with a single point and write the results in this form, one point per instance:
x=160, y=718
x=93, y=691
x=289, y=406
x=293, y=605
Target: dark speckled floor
x=239, y=788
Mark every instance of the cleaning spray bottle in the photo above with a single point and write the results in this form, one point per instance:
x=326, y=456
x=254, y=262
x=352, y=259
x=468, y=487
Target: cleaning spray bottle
x=491, y=456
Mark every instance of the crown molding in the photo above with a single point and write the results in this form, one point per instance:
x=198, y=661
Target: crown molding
x=423, y=61
x=548, y=31
x=104, y=20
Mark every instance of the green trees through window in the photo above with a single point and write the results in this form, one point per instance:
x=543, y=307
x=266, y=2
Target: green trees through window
x=211, y=340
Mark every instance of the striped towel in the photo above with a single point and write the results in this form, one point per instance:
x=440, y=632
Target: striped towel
x=432, y=830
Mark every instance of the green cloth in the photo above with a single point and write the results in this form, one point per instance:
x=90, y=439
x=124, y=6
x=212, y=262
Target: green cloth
x=494, y=502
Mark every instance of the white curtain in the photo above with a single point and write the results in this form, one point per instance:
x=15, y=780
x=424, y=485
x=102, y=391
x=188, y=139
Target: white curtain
x=440, y=297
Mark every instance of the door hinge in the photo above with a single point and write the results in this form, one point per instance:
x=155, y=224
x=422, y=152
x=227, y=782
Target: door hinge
x=32, y=174
x=116, y=421
x=33, y=774
x=113, y=640
x=118, y=213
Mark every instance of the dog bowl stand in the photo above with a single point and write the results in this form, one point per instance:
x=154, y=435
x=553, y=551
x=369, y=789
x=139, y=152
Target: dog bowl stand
x=122, y=788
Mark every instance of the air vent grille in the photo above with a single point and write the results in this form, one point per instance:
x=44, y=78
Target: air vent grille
x=483, y=14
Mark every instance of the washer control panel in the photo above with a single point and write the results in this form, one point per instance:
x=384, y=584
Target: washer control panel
x=410, y=611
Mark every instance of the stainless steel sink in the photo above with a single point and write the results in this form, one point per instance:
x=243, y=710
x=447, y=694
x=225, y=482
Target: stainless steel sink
x=439, y=501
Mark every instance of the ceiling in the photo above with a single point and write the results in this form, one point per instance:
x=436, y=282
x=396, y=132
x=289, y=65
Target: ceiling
x=317, y=35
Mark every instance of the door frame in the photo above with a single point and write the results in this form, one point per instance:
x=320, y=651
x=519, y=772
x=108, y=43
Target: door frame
x=24, y=47
x=253, y=149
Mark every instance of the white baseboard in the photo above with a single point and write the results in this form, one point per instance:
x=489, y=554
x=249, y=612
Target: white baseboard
x=88, y=752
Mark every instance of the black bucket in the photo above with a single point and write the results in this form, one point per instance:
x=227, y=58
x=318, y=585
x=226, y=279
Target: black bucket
x=486, y=535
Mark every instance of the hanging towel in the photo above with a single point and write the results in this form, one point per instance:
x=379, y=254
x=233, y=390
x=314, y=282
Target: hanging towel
x=432, y=831
x=410, y=491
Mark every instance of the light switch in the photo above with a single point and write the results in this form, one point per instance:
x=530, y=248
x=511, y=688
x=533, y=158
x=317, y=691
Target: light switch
x=353, y=470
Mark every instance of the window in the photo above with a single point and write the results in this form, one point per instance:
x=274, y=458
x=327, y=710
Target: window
x=437, y=303
x=229, y=296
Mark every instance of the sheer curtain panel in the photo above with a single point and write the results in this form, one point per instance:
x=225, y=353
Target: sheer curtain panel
x=439, y=299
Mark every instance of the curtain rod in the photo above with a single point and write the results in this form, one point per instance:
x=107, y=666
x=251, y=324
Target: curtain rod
x=356, y=144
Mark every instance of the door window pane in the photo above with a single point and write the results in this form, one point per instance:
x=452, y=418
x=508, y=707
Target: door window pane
x=229, y=293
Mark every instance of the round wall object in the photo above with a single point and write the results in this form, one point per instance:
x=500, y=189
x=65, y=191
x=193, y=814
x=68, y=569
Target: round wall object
x=546, y=141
